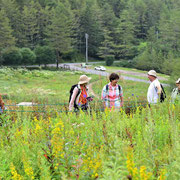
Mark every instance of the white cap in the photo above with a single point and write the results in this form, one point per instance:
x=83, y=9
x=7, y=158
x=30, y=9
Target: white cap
x=178, y=81
x=152, y=73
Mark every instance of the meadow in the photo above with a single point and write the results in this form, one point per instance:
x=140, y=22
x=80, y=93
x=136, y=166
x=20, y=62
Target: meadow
x=143, y=144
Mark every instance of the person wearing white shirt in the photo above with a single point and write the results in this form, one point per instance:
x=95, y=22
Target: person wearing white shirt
x=154, y=89
x=175, y=95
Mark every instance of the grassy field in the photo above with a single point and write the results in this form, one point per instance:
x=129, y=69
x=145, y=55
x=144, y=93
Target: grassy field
x=46, y=143
x=143, y=145
x=52, y=87
x=37, y=86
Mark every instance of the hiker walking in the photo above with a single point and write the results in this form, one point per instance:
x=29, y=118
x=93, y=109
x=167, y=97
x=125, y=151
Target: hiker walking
x=175, y=95
x=154, y=90
x=79, y=94
x=112, y=93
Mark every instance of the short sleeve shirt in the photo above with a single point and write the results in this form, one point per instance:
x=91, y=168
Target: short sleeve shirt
x=112, y=96
x=152, y=94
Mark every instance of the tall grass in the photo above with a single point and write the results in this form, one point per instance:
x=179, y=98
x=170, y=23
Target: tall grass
x=91, y=145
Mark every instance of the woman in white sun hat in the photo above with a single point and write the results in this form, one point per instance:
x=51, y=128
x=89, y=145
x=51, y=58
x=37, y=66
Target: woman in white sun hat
x=175, y=95
x=79, y=94
x=154, y=89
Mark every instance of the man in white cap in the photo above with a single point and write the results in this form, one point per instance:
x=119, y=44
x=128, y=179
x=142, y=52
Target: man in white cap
x=154, y=89
x=79, y=94
x=175, y=96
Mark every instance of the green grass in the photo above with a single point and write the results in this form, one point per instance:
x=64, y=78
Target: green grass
x=96, y=145
x=53, y=86
x=142, y=144
x=38, y=86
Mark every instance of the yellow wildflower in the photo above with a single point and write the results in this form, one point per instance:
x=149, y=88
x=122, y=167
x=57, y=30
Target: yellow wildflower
x=14, y=173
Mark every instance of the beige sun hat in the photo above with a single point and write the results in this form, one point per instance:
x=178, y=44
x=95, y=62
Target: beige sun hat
x=178, y=81
x=152, y=73
x=84, y=79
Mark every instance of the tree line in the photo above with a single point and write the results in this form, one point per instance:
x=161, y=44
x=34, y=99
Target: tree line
x=147, y=32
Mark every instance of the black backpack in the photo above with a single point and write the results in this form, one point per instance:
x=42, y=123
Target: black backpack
x=71, y=92
x=163, y=94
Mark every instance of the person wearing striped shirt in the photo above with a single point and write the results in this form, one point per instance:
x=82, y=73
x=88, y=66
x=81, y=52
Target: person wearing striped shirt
x=112, y=93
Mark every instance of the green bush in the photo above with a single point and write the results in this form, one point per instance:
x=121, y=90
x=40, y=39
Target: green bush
x=149, y=59
x=11, y=56
x=109, y=60
x=126, y=63
x=28, y=56
x=44, y=55
x=73, y=56
x=175, y=70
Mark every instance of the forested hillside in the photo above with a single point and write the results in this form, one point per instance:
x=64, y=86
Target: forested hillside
x=42, y=31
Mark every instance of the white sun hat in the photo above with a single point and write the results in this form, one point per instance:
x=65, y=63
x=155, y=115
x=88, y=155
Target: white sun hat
x=84, y=79
x=178, y=81
x=152, y=73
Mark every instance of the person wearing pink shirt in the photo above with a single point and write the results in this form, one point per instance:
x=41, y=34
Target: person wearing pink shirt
x=112, y=93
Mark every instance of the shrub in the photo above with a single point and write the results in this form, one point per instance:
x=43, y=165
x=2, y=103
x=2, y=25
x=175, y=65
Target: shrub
x=126, y=63
x=11, y=56
x=150, y=59
x=28, y=56
x=109, y=60
x=44, y=55
x=73, y=56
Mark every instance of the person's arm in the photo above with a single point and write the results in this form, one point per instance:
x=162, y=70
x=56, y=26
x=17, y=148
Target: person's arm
x=159, y=89
x=122, y=101
x=121, y=97
x=103, y=96
x=71, y=103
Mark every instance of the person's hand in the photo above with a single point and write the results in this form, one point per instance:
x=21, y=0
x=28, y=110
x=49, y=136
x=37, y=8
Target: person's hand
x=89, y=98
x=121, y=104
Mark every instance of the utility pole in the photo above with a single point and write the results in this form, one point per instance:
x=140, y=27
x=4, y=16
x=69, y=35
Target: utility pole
x=86, y=36
x=157, y=34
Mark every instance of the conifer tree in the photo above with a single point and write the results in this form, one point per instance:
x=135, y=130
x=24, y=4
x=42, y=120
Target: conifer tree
x=109, y=24
x=30, y=26
x=125, y=36
x=90, y=23
x=6, y=37
x=60, y=30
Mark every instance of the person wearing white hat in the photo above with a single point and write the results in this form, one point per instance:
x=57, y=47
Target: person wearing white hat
x=154, y=89
x=79, y=97
x=175, y=95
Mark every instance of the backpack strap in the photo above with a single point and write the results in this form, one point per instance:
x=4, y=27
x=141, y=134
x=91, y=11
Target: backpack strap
x=79, y=91
x=107, y=87
x=163, y=90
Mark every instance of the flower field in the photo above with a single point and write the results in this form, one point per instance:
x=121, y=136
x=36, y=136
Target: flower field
x=46, y=141
x=142, y=145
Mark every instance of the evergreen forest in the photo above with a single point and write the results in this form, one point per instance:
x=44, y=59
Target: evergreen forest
x=144, y=34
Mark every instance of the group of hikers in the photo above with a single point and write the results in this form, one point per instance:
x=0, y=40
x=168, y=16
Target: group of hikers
x=112, y=93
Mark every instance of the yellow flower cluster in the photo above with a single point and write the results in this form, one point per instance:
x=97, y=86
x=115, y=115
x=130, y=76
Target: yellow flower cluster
x=38, y=127
x=141, y=174
x=130, y=164
x=18, y=133
x=14, y=173
x=28, y=170
x=92, y=165
x=57, y=140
